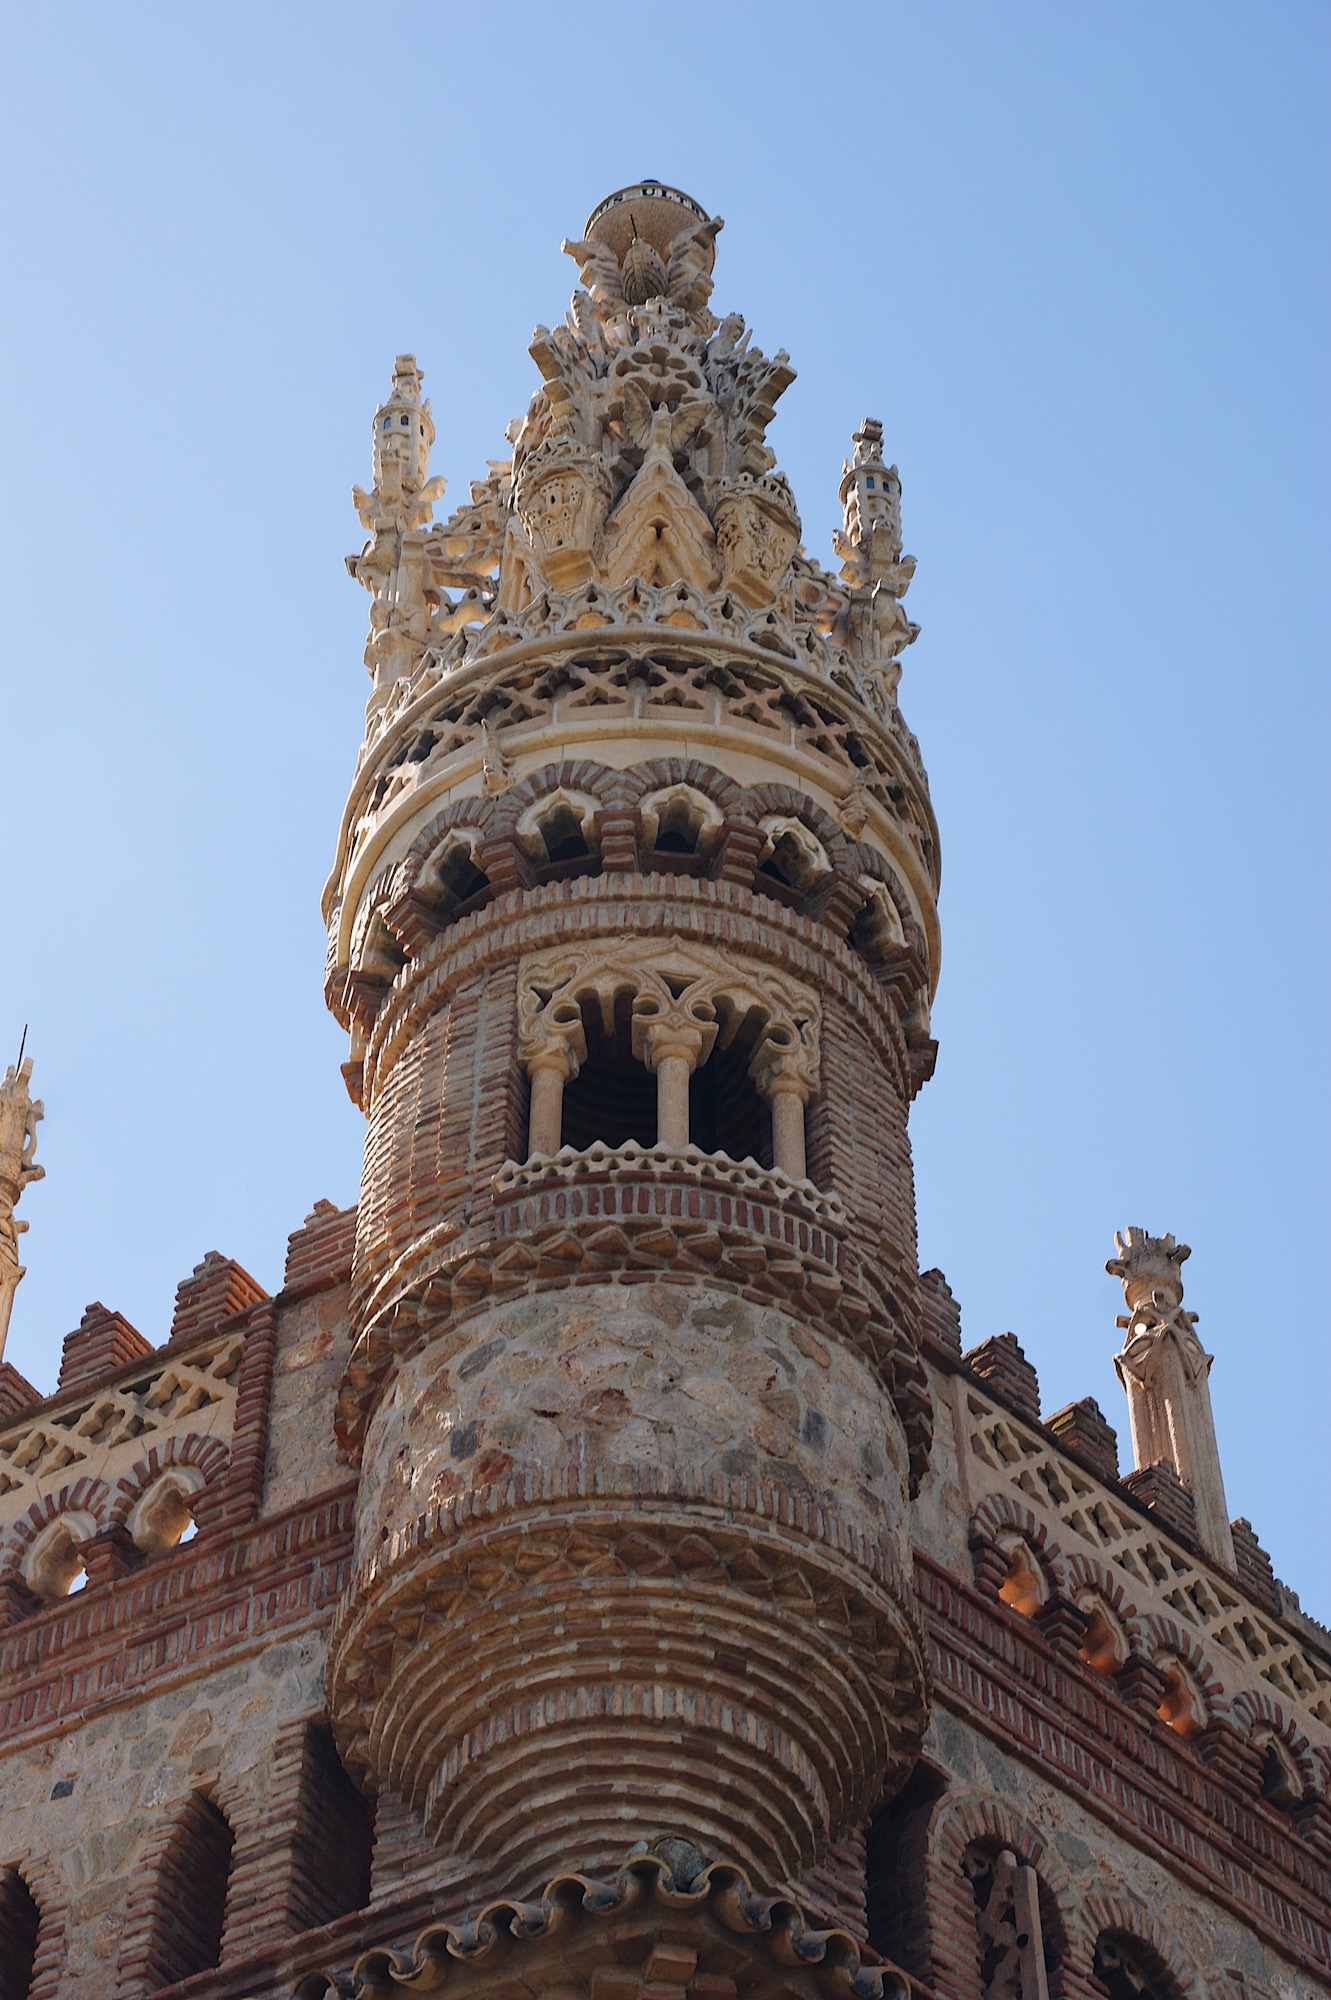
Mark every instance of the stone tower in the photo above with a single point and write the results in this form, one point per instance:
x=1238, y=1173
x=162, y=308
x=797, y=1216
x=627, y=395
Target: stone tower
x=633, y=928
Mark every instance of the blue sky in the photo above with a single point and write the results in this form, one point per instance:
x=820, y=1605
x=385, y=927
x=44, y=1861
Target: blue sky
x=1074, y=256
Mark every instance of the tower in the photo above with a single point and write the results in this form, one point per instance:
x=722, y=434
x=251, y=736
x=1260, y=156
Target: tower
x=633, y=928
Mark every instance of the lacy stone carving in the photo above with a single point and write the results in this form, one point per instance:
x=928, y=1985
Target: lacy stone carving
x=643, y=460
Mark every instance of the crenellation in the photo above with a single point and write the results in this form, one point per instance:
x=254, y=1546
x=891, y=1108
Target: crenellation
x=101, y=1344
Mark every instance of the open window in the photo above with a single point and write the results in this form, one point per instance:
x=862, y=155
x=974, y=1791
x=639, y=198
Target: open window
x=613, y=1097
x=1182, y=1704
x=727, y=1112
x=559, y=833
x=451, y=883
x=795, y=860
x=1279, y=1780
x=1128, y=1969
x=680, y=827
x=1104, y=1644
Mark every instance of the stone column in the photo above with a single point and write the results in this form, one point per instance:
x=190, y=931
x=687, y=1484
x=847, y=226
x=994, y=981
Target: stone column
x=552, y=1056
x=787, y=1078
x=672, y=1050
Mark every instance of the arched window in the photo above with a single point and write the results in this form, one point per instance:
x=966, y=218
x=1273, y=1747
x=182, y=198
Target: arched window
x=1104, y=1644
x=613, y=1096
x=20, y=1924
x=334, y=1837
x=679, y=825
x=451, y=883
x=796, y=859
x=559, y=833
x=191, y=1892
x=727, y=1112
x=1279, y=1779
x=1127, y=1969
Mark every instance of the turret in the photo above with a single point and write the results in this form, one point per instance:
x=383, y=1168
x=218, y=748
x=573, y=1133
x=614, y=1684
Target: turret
x=633, y=927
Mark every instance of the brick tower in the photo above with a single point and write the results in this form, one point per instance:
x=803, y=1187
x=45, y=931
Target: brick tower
x=598, y=1572
x=633, y=927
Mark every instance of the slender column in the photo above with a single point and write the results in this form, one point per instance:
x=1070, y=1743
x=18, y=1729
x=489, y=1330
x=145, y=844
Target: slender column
x=545, y=1128
x=672, y=1102
x=787, y=1078
x=672, y=1050
x=552, y=1051
x=788, y=1131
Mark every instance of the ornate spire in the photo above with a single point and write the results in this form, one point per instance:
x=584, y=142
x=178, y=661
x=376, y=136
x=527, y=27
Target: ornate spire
x=19, y=1115
x=1164, y=1369
x=650, y=427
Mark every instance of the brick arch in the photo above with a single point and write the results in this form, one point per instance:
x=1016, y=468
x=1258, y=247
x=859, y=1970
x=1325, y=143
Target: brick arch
x=577, y=775
x=83, y=1496
x=999, y=1514
x=1162, y=1635
x=868, y=861
x=660, y=772
x=760, y=800
x=478, y=813
x=958, y=1819
x=50, y=1892
x=1085, y=1572
x=1252, y=1711
x=1123, y=1917
x=207, y=1455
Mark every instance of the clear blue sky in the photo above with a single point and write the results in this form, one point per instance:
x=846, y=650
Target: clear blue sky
x=1073, y=255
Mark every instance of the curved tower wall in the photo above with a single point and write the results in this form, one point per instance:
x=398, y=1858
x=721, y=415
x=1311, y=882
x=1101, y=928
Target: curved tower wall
x=633, y=928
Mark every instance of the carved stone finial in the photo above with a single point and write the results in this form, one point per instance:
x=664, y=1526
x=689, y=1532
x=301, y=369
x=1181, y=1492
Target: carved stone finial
x=19, y=1116
x=392, y=565
x=1164, y=1369
x=869, y=543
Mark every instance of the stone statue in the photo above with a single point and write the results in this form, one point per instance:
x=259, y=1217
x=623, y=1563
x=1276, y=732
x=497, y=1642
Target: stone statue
x=19, y=1116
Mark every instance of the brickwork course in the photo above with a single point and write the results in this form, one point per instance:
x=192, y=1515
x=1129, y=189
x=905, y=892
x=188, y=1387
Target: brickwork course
x=603, y=1568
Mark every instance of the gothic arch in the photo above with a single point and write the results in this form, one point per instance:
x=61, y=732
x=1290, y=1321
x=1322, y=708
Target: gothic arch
x=1120, y=1916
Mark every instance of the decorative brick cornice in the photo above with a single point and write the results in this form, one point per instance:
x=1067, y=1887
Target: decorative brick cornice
x=175, y=1617
x=994, y=1669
